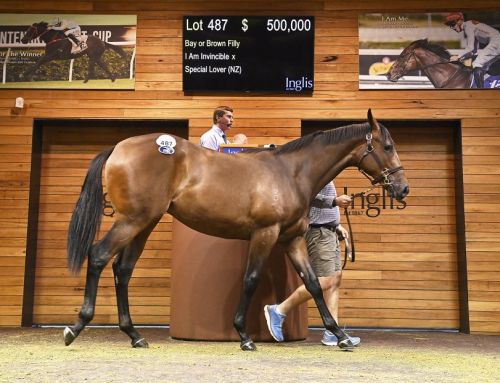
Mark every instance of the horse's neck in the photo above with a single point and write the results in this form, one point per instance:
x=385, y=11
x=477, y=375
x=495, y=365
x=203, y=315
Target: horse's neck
x=48, y=36
x=438, y=70
x=318, y=164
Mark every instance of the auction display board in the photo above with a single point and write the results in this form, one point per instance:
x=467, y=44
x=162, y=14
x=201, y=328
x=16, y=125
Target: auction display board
x=254, y=53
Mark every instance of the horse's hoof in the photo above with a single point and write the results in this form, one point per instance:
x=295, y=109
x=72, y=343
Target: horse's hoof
x=140, y=343
x=248, y=345
x=86, y=81
x=69, y=336
x=346, y=345
x=113, y=79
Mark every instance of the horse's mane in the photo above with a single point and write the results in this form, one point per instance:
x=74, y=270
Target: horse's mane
x=434, y=48
x=327, y=137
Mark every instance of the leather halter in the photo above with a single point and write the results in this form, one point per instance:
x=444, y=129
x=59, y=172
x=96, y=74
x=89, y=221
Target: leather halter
x=383, y=178
x=38, y=34
x=424, y=68
x=350, y=251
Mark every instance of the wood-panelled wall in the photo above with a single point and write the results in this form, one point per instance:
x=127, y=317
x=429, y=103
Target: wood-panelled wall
x=67, y=149
x=405, y=274
x=263, y=119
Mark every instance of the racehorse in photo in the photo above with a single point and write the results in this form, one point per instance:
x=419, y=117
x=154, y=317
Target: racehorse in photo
x=434, y=61
x=58, y=47
x=271, y=193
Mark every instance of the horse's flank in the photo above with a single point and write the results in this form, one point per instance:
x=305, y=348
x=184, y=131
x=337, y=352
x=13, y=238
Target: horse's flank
x=245, y=190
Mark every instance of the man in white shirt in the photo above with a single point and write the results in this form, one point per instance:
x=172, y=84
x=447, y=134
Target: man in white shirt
x=223, y=120
x=477, y=33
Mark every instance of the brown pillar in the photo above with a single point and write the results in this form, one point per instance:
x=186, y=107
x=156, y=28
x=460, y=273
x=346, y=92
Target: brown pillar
x=207, y=280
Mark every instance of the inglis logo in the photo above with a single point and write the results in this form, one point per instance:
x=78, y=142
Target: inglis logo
x=371, y=204
x=298, y=85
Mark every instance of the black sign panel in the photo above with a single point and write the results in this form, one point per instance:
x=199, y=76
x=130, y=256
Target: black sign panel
x=252, y=53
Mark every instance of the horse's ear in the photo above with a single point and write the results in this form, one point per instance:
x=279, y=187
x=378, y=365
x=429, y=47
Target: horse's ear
x=373, y=123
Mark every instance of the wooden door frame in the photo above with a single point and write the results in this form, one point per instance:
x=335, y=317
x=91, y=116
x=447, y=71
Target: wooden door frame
x=309, y=126
x=39, y=125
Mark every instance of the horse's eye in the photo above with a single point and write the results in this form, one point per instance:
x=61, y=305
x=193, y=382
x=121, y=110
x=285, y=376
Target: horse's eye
x=388, y=148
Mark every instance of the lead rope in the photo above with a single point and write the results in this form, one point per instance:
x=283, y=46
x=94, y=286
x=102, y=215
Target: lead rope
x=350, y=251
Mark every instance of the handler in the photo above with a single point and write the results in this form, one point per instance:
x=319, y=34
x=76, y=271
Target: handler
x=323, y=247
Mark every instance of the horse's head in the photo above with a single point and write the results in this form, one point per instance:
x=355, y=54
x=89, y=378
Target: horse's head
x=419, y=54
x=35, y=30
x=379, y=161
x=405, y=63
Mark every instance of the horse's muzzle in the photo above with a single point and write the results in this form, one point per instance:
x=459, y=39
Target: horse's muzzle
x=402, y=193
x=398, y=191
x=391, y=77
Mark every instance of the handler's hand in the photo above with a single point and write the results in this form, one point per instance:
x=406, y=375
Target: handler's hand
x=342, y=233
x=343, y=201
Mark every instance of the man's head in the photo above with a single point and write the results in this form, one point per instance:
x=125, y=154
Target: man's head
x=240, y=138
x=223, y=117
x=454, y=20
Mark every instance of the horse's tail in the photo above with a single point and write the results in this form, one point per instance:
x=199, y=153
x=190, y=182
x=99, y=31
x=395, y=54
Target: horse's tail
x=116, y=48
x=86, y=218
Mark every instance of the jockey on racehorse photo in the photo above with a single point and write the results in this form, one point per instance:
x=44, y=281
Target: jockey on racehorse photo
x=70, y=29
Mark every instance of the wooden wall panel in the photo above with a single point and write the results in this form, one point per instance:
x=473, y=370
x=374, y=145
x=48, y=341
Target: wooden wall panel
x=15, y=166
x=266, y=119
x=66, y=155
x=481, y=153
x=412, y=245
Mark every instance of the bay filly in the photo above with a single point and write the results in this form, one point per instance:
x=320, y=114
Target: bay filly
x=267, y=197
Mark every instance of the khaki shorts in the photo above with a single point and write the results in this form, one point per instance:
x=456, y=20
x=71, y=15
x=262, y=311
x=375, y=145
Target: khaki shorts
x=324, y=251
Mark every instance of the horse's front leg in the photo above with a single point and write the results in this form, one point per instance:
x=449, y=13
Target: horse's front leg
x=28, y=74
x=90, y=70
x=297, y=252
x=261, y=244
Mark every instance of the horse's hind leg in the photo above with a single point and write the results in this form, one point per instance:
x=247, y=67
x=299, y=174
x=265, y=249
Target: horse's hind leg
x=261, y=244
x=104, y=67
x=123, y=267
x=119, y=236
x=297, y=252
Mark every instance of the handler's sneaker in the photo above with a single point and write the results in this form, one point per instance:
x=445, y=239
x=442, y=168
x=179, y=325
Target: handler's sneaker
x=330, y=339
x=274, y=322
